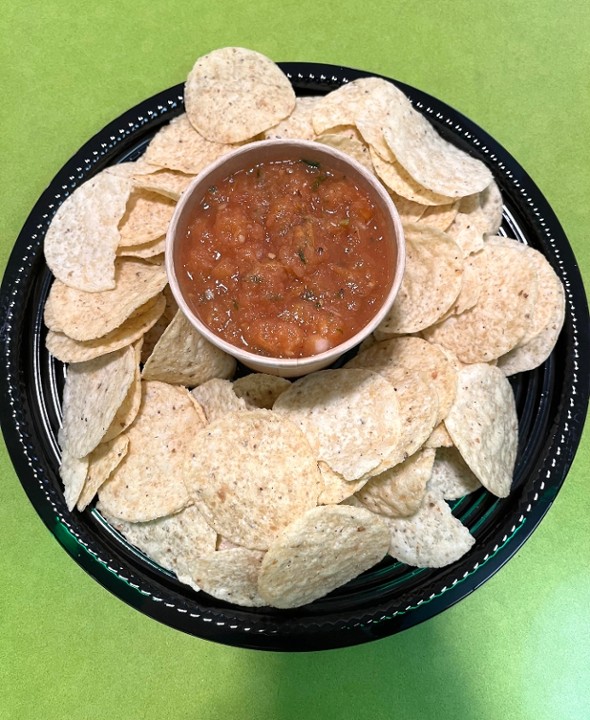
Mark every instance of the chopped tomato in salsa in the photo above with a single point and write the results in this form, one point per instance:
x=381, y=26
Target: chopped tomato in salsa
x=286, y=259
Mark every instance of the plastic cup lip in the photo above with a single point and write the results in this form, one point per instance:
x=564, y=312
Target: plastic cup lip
x=268, y=150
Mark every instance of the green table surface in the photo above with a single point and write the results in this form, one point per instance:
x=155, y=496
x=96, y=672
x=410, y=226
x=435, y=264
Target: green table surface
x=519, y=647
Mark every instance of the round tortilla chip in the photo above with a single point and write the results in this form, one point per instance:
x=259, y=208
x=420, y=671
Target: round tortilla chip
x=146, y=218
x=503, y=311
x=319, y=551
x=431, y=283
x=233, y=94
x=217, y=398
x=399, y=181
x=251, y=473
x=484, y=426
x=351, y=415
x=182, y=356
x=175, y=542
x=93, y=393
x=413, y=353
x=547, y=317
x=229, y=574
x=432, y=537
x=149, y=483
x=399, y=491
x=359, y=98
x=430, y=160
x=260, y=390
x=72, y=471
x=335, y=488
x=86, y=316
x=82, y=239
x=101, y=463
x=178, y=146
x=71, y=351
x=349, y=142
x=451, y=476
x=297, y=125
x=418, y=410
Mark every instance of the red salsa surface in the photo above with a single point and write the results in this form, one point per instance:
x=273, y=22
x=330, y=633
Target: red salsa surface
x=286, y=259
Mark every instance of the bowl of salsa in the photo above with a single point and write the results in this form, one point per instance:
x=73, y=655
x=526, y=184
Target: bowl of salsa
x=285, y=254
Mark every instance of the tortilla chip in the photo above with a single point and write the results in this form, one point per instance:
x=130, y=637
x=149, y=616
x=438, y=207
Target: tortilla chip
x=431, y=283
x=101, y=463
x=432, y=537
x=349, y=142
x=399, y=491
x=430, y=160
x=335, y=488
x=146, y=218
x=484, y=426
x=182, y=356
x=229, y=574
x=451, y=476
x=175, y=542
x=233, y=94
x=178, y=146
x=414, y=354
x=148, y=250
x=170, y=183
x=399, y=181
x=129, y=408
x=319, y=551
x=93, y=393
x=71, y=351
x=217, y=398
x=251, y=473
x=83, y=236
x=149, y=483
x=86, y=316
x=72, y=471
x=260, y=390
x=351, y=415
x=297, y=125
x=502, y=314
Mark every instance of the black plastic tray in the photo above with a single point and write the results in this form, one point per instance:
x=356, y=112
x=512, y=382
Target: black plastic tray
x=551, y=400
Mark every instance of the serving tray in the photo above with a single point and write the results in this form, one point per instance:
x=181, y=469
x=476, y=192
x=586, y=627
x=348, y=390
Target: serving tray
x=551, y=401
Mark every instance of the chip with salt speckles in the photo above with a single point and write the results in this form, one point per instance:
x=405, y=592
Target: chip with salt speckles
x=233, y=94
x=413, y=353
x=432, y=537
x=86, y=316
x=484, y=426
x=252, y=473
x=149, y=483
x=68, y=350
x=101, y=463
x=178, y=146
x=319, y=551
x=399, y=491
x=260, y=389
x=350, y=414
x=217, y=398
x=431, y=283
x=175, y=542
x=502, y=314
x=93, y=393
x=182, y=356
x=229, y=574
x=82, y=239
x=451, y=475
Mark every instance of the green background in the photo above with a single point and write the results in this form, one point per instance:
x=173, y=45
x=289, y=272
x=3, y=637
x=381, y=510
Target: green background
x=519, y=647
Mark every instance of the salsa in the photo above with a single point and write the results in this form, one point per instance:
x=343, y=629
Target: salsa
x=286, y=259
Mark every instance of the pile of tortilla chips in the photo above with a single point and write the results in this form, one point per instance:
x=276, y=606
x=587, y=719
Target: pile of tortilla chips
x=258, y=490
